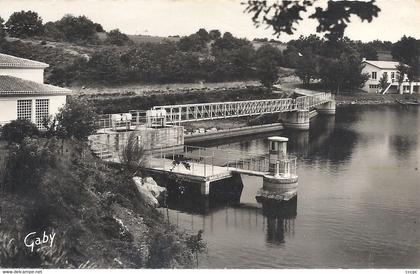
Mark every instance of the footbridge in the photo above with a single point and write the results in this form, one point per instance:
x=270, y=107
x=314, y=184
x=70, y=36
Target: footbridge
x=177, y=114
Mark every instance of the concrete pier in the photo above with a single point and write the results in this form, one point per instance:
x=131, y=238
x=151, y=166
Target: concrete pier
x=298, y=119
x=327, y=108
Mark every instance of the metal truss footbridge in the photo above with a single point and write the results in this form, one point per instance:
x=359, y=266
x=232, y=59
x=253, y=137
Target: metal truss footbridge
x=176, y=114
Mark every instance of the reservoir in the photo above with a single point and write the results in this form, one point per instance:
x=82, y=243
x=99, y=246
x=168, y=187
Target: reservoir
x=358, y=203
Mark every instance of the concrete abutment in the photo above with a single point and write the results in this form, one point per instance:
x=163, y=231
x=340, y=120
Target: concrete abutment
x=327, y=108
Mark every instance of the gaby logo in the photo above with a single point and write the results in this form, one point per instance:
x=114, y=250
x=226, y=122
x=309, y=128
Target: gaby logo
x=31, y=240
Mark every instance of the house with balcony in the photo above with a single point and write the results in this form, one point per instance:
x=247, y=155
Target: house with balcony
x=23, y=93
x=376, y=69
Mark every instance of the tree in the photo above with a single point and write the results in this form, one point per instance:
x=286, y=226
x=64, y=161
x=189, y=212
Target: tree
x=75, y=120
x=52, y=31
x=2, y=29
x=402, y=70
x=344, y=72
x=116, y=37
x=17, y=130
x=307, y=67
x=98, y=27
x=214, y=34
x=383, y=82
x=406, y=50
x=283, y=16
x=77, y=29
x=369, y=52
x=24, y=24
x=267, y=61
x=203, y=34
x=192, y=43
x=133, y=156
x=291, y=56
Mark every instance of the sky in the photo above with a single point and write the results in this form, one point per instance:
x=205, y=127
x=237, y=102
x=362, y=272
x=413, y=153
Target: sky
x=183, y=17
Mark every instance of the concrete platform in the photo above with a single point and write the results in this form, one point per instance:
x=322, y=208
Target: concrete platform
x=197, y=172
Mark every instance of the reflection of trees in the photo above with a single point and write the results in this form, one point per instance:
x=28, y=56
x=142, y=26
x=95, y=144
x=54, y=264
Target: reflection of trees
x=403, y=145
x=280, y=220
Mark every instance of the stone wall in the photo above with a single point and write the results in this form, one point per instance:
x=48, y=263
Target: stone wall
x=149, y=138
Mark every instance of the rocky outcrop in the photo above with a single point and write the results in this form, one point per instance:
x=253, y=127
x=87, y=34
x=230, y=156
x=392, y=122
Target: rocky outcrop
x=149, y=191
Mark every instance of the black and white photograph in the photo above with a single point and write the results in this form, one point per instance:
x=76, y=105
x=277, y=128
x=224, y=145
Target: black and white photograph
x=209, y=134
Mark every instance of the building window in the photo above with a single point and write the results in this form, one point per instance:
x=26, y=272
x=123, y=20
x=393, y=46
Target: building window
x=42, y=107
x=373, y=86
x=373, y=74
x=24, y=109
x=392, y=75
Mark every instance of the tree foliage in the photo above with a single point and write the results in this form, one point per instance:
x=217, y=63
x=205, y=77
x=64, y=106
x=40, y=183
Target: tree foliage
x=402, y=71
x=133, y=156
x=17, y=130
x=307, y=67
x=24, y=24
x=283, y=16
x=76, y=29
x=267, y=62
x=2, y=29
x=116, y=37
x=27, y=162
x=343, y=73
x=383, y=81
x=75, y=120
x=407, y=50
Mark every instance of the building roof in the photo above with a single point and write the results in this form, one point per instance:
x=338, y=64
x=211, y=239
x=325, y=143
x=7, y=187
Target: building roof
x=13, y=86
x=383, y=64
x=8, y=61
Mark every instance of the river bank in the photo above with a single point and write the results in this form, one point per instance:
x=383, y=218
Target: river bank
x=362, y=98
x=95, y=210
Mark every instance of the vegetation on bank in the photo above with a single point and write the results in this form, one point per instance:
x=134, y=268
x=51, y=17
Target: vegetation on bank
x=121, y=104
x=81, y=52
x=362, y=98
x=51, y=182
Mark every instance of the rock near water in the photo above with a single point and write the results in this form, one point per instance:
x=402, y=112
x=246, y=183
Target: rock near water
x=149, y=191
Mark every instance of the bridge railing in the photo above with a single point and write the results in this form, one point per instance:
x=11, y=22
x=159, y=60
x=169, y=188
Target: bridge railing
x=138, y=117
x=219, y=110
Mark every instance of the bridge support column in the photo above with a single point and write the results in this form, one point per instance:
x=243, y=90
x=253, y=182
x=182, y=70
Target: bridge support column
x=298, y=119
x=327, y=108
x=205, y=188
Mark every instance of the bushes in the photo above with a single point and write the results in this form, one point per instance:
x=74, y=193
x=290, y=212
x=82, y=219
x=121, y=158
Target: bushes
x=75, y=120
x=27, y=162
x=17, y=130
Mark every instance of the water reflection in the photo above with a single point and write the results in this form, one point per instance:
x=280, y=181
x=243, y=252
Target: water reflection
x=358, y=199
x=280, y=220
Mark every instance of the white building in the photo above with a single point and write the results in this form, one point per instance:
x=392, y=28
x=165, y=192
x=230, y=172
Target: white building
x=376, y=69
x=23, y=94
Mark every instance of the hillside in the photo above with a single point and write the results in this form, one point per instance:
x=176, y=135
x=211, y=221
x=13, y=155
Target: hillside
x=93, y=208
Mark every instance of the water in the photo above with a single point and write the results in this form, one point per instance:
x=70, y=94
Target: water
x=358, y=203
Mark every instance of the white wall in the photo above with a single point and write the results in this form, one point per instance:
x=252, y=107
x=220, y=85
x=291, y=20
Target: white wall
x=31, y=74
x=370, y=68
x=8, y=106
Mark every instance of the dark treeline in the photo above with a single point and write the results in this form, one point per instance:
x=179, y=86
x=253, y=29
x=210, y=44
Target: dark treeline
x=113, y=58
x=202, y=56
